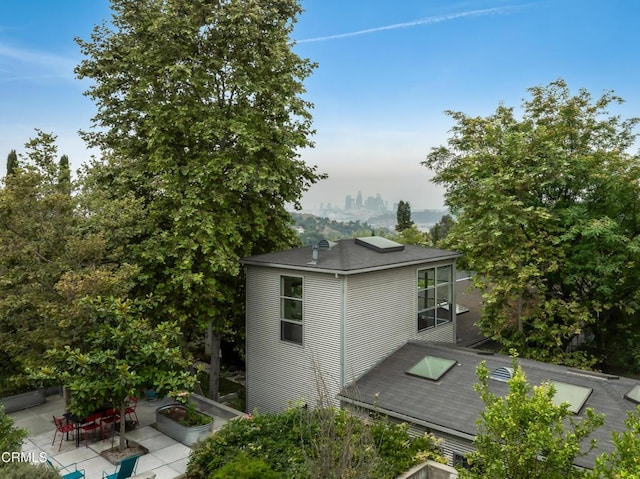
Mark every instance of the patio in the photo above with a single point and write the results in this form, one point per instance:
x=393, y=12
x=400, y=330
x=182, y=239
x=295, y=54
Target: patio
x=166, y=458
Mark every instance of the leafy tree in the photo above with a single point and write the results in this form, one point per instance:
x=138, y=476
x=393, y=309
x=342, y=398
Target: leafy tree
x=440, y=230
x=48, y=261
x=11, y=437
x=403, y=216
x=200, y=118
x=547, y=209
x=124, y=354
x=624, y=461
x=12, y=162
x=64, y=175
x=523, y=435
x=412, y=235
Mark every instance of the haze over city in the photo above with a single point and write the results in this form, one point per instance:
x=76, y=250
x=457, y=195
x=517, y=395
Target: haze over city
x=387, y=71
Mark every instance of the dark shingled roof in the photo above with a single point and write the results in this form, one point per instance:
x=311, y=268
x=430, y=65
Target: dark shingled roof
x=451, y=405
x=348, y=257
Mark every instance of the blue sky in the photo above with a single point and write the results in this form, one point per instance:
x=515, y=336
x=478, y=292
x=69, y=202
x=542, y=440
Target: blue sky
x=387, y=71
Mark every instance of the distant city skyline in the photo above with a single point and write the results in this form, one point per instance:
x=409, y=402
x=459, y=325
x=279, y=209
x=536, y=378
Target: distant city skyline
x=386, y=73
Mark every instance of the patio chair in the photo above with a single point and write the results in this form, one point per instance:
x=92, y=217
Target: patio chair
x=63, y=428
x=126, y=468
x=91, y=424
x=74, y=474
x=131, y=409
x=109, y=420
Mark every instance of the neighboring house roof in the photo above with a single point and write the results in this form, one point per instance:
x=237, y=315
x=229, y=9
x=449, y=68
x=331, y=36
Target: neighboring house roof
x=349, y=256
x=450, y=404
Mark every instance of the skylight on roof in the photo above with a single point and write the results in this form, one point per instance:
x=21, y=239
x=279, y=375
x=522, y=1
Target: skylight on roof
x=576, y=396
x=431, y=367
x=634, y=394
x=379, y=244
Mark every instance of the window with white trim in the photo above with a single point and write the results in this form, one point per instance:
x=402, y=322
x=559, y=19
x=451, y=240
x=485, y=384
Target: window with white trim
x=435, y=293
x=291, y=309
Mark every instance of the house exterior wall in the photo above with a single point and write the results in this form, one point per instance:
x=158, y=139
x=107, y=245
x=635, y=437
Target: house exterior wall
x=279, y=373
x=382, y=308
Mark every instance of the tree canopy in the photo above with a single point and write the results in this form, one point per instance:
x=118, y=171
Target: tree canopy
x=200, y=118
x=547, y=210
x=524, y=435
x=403, y=216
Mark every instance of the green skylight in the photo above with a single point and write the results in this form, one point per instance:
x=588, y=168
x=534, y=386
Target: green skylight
x=576, y=396
x=431, y=367
x=634, y=394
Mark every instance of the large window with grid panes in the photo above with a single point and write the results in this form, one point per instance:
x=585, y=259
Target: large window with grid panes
x=291, y=309
x=435, y=293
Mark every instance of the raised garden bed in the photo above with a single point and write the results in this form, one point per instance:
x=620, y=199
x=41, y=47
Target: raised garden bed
x=183, y=424
x=24, y=400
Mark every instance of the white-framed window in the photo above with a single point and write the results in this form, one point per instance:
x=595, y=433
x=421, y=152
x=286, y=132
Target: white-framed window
x=435, y=293
x=291, y=290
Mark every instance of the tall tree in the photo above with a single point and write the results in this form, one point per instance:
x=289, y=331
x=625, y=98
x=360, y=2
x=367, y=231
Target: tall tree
x=548, y=214
x=49, y=260
x=403, y=216
x=524, y=435
x=12, y=162
x=200, y=117
x=64, y=175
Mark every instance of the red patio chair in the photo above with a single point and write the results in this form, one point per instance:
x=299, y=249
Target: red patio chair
x=92, y=423
x=109, y=420
x=131, y=409
x=63, y=428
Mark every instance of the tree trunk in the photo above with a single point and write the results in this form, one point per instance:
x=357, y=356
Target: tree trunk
x=123, y=426
x=214, y=369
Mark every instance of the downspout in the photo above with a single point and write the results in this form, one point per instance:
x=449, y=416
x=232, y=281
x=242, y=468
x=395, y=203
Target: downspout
x=453, y=307
x=343, y=335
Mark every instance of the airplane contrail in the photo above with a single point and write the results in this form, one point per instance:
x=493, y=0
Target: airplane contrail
x=422, y=21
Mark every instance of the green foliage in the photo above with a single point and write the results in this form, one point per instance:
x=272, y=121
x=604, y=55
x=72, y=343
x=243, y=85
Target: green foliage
x=245, y=467
x=48, y=260
x=440, y=230
x=523, y=435
x=11, y=437
x=12, y=162
x=317, y=228
x=547, y=208
x=412, y=235
x=294, y=445
x=25, y=470
x=403, y=216
x=201, y=117
x=123, y=354
x=624, y=461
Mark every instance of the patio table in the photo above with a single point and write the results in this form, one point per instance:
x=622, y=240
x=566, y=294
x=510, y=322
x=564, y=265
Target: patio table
x=79, y=421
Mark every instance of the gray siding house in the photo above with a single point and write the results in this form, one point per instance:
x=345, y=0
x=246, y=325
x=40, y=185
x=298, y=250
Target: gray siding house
x=336, y=310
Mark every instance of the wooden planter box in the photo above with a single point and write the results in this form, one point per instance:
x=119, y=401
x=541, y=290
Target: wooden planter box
x=187, y=435
x=23, y=400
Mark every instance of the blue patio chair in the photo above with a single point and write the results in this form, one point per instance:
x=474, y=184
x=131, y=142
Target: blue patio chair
x=126, y=468
x=72, y=474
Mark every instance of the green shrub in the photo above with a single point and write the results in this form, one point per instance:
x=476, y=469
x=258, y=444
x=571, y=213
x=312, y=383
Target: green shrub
x=24, y=470
x=245, y=467
x=302, y=444
x=11, y=437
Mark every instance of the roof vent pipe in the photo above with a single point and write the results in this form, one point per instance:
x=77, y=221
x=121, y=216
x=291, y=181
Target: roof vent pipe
x=314, y=254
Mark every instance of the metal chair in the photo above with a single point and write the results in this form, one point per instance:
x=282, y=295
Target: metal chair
x=110, y=418
x=75, y=474
x=63, y=429
x=131, y=409
x=92, y=423
x=125, y=469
